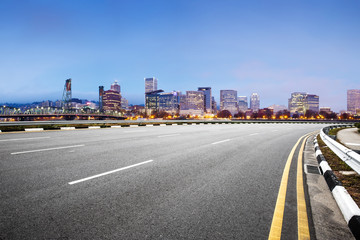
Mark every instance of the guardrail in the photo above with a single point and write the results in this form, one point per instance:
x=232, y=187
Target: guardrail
x=350, y=157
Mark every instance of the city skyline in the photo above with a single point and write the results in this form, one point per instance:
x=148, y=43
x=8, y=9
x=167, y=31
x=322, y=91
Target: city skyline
x=272, y=48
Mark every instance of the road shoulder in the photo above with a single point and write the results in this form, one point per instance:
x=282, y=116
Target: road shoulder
x=328, y=220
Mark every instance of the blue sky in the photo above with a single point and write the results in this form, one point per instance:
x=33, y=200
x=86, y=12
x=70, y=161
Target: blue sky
x=269, y=47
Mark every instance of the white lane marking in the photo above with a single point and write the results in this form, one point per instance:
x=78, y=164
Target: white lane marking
x=21, y=139
x=133, y=131
x=354, y=144
x=109, y=172
x=47, y=149
x=253, y=134
x=274, y=130
x=226, y=140
x=169, y=135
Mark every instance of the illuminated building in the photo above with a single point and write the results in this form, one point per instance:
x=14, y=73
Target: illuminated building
x=228, y=101
x=170, y=102
x=116, y=87
x=243, y=103
x=150, y=84
x=111, y=100
x=207, y=98
x=192, y=103
x=300, y=102
x=255, y=102
x=353, y=101
x=152, y=101
x=311, y=102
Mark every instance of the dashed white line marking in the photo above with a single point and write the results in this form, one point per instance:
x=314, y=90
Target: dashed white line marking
x=109, y=172
x=134, y=131
x=253, y=134
x=226, y=140
x=169, y=135
x=21, y=139
x=47, y=149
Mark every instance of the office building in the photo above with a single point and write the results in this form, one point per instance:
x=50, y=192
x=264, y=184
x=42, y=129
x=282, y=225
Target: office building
x=111, y=100
x=192, y=103
x=115, y=86
x=353, y=101
x=228, y=101
x=152, y=101
x=300, y=102
x=326, y=110
x=150, y=84
x=170, y=102
x=207, y=98
x=214, y=105
x=255, y=102
x=124, y=103
x=243, y=103
x=311, y=103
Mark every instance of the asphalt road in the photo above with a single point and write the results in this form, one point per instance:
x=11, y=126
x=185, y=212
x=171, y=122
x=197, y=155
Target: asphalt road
x=170, y=182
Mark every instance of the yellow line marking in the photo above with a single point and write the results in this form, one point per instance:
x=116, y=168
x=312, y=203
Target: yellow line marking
x=303, y=225
x=277, y=221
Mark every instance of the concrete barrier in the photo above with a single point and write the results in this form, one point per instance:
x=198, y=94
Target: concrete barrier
x=67, y=128
x=33, y=129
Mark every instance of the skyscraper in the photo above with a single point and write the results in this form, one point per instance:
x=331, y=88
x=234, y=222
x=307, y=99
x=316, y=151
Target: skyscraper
x=243, y=103
x=115, y=86
x=207, y=98
x=311, y=103
x=353, y=100
x=193, y=103
x=228, y=101
x=150, y=84
x=110, y=100
x=152, y=101
x=170, y=102
x=255, y=102
x=300, y=102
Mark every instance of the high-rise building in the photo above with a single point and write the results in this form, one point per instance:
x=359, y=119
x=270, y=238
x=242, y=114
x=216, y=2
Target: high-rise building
x=243, y=103
x=353, y=101
x=311, y=102
x=207, y=98
x=255, y=102
x=170, y=102
x=115, y=86
x=124, y=103
x=300, y=102
x=193, y=103
x=296, y=103
x=152, y=101
x=150, y=84
x=111, y=100
x=214, y=105
x=228, y=101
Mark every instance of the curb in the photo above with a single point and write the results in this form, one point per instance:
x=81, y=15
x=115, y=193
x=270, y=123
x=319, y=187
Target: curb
x=347, y=205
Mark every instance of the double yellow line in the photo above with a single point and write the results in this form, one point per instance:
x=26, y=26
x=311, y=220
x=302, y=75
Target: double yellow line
x=277, y=221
